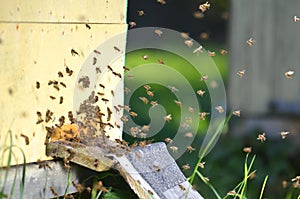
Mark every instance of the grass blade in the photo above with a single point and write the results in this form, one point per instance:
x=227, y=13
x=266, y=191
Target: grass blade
x=263, y=187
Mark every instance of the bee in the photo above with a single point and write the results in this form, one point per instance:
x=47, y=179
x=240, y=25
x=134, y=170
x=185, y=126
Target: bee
x=247, y=149
x=201, y=165
x=168, y=140
x=144, y=100
x=289, y=74
x=284, y=184
x=124, y=119
x=262, y=137
x=150, y=93
x=40, y=120
x=250, y=41
x=223, y=52
x=157, y=168
x=188, y=135
x=117, y=49
x=143, y=143
x=219, y=109
x=203, y=115
x=161, y=61
x=60, y=74
x=61, y=100
x=118, y=126
x=158, y=32
x=232, y=193
x=127, y=90
x=132, y=24
x=150, y=192
x=52, y=97
x=198, y=15
x=61, y=121
x=53, y=192
x=174, y=148
x=141, y=12
x=191, y=109
x=69, y=71
x=200, y=92
x=204, y=36
x=185, y=35
x=56, y=87
x=43, y=164
x=296, y=19
x=211, y=53
x=109, y=68
x=241, y=73
x=117, y=74
x=198, y=50
x=205, y=6
x=237, y=113
x=178, y=103
x=37, y=85
x=284, y=134
x=104, y=100
x=145, y=57
x=182, y=187
x=154, y=103
x=190, y=149
x=63, y=84
x=102, y=86
x=117, y=109
x=133, y=114
x=97, y=52
x=173, y=89
x=204, y=78
x=98, y=70
x=26, y=138
x=74, y=52
x=145, y=128
x=50, y=82
x=96, y=163
x=189, y=42
x=94, y=60
x=87, y=26
x=186, y=167
x=147, y=87
x=168, y=118
x=143, y=135
x=126, y=68
x=112, y=93
x=109, y=112
x=71, y=117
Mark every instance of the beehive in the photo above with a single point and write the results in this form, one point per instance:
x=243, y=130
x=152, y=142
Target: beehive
x=36, y=40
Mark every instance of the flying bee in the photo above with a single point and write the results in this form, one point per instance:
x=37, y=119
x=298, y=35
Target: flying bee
x=200, y=92
x=49, y=115
x=168, y=118
x=168, y=140
x=109, y=112
x=162, y=2
x=117, y=74
x=94, y=60
x=262, y=137
x=141, y=12
x=74, y=52
x=109, y=68
x=61, y=100
x=158, y=32
x=289, y=74
x=69, y=71
x=61, y=121
x=198, y=50
x=296, y=19
x=124, y=119
x=53, y=192
x=188, y=135
x=40, y=120
x=186, y=167
x=219, y=109
x=211, y=54
x=190, y=149
x=117, y=109
x=127, y=90
x=52, y=97
x=174, y=148
x=133, y=114
x=250, y=42
x=112, y=93
x=26, y=138
x=185, y=35
x=43, y=164
x=63, y=84
x=147, y=87
x=204, y=78
x=150, y=93
x=178, y=103
x=241, y=73
x=87, y=26
x=237, y=113
x=223, y=52
x=204, y=7
x=117, y=49
x=203, y=115
x=143, y=135
x=98, y=70
x=126, y=68
x=154, y=103
x=37, y=85
x=132, y=24
x=60, y=74
x=97, y=52
x=201, y=165
x=284, y=134
x=143, y=143
x=191, y=109
x=144, y=100
x=173, y=89
x=56, y=87
x=150, y=192
x=99, y=93
x=189, y=42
